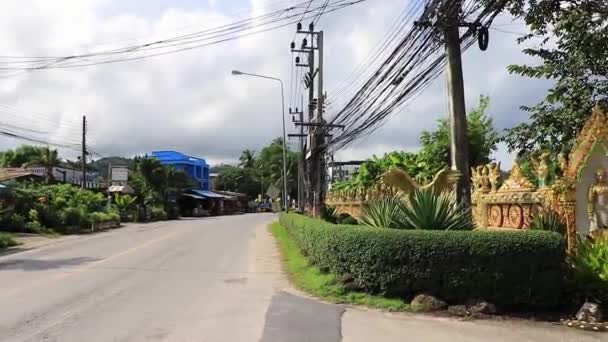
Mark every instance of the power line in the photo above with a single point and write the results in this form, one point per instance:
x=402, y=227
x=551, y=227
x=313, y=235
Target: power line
x=240, y=29
x=412, y=65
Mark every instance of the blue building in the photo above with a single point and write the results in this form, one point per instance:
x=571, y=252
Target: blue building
x=197, y=168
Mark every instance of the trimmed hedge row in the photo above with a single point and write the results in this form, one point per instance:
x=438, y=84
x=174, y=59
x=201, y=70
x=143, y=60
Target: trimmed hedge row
x=510, y=269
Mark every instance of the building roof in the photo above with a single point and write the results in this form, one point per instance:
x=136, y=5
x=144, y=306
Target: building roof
x=177, y=157
x=9, y=173
x=125, y=189
x=210, y=194
x=344, y=163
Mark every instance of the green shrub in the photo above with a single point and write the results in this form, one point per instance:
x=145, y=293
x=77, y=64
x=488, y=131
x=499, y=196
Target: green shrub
x=589, y=265
x=6, y=240
x=511, y=269
x=13, y=222
x=347, y=219
x=72, y=216
x=158, y=214
x=549, y=221
x=384, y=213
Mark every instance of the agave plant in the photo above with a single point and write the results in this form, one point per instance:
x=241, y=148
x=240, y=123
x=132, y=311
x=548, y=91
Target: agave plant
x=329, y=214
x=549, y=221
x=589, y=264
x=427, y=209
x=386, y=212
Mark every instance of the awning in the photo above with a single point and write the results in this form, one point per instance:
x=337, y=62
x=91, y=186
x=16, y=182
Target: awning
x=125, y=189
x=194, y=196
x=210, y=194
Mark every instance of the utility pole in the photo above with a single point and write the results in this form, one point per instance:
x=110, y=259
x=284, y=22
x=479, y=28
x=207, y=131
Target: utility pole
x=84, y=152
x=315, y=147
x=459, y=140
x=318, y=149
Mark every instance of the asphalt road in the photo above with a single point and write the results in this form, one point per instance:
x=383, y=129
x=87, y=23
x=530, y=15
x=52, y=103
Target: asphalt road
x=187, y=280
x=211, y=279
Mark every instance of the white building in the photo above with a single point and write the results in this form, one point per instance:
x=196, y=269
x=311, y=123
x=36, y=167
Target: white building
x=72, y=176
x=339, y=171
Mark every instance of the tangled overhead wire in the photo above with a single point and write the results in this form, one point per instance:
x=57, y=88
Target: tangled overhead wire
x=416, y=59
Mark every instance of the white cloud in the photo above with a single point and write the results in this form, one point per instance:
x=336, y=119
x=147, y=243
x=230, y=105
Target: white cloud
x=189, y=101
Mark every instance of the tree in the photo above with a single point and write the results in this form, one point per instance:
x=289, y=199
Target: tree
x=572, y=52
x=254, y=174
x=247, y=159
x=435, y=152
x=20, y=156
x=237, y=179
x=48, y=159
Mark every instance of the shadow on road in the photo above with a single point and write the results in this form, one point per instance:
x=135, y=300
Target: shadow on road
x=42, y=265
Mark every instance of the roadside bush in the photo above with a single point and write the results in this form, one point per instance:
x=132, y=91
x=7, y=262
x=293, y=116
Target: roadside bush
x=159, y=214
x=521, y=269
x=13, y=222
x=6, y=241
x=72, y=216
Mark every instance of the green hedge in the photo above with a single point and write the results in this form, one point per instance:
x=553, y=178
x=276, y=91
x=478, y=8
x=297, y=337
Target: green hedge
x=510, y=269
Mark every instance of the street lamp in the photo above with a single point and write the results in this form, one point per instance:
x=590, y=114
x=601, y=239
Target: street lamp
x=240, y=73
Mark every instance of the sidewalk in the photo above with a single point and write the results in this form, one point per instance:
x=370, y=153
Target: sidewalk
x=361, y=325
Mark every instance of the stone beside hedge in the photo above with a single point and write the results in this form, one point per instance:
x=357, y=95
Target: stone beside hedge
x=513, y=269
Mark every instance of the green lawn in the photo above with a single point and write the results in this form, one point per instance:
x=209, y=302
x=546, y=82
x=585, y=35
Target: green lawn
x=324, y=286
x=6, y=240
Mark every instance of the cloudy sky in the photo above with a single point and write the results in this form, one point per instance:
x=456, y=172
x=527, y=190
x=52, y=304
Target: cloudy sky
x=189, y=101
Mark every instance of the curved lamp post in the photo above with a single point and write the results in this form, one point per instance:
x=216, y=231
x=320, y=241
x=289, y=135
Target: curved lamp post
x=240, y=73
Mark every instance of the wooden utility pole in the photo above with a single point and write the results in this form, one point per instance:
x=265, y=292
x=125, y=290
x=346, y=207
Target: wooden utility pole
x=459, y=140
x=84, y=152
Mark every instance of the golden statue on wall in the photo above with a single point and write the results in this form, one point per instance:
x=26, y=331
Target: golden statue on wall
x=480, y=178
x=541, y=168
x=597, y=206
x=494, y=177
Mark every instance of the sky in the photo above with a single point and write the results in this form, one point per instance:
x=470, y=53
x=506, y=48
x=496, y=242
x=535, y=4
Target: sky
x=190, y=102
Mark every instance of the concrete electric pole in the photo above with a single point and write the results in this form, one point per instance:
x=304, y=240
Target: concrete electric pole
x=84, y=152
x=459, y=140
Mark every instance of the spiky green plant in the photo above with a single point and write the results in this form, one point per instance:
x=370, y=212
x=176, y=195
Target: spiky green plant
x=427, y=209
x=549, y=221
x=384, y=212
x=589, y=264
x=329, y=214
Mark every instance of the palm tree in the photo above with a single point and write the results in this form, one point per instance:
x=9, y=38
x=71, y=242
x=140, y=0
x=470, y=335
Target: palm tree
x=247, y=159
x=48, y=159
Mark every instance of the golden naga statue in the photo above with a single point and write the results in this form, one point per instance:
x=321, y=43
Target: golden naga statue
x=494, y=176
x=399, y=179
x=541, y=167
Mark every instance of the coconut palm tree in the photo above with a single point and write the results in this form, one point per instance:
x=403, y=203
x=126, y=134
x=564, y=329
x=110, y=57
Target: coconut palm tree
x=48, y=159
x=247, y=159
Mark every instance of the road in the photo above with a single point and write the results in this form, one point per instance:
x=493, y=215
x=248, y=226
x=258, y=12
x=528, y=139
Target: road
x=211, y=279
